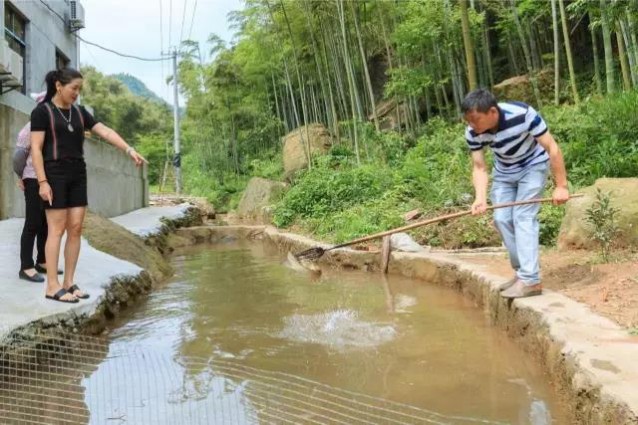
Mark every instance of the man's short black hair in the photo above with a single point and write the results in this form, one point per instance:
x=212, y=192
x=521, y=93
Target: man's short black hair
x=479, y=100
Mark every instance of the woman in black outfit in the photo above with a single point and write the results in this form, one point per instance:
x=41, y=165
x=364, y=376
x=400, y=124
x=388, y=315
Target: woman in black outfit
x=57, y=138
x=35, y=221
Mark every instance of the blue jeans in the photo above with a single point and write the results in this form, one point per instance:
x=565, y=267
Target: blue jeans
x=519, y=226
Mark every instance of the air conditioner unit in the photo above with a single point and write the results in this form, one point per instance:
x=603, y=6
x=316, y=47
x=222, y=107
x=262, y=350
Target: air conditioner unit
x=11, y=67
x=76, y=15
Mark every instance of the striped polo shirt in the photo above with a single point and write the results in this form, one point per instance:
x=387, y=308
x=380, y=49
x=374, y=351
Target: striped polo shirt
x=514, y=143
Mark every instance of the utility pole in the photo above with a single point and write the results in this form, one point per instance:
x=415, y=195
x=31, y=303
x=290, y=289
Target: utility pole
x=177, y=158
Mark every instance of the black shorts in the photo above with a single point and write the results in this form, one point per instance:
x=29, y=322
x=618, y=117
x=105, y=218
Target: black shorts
x=67, y=178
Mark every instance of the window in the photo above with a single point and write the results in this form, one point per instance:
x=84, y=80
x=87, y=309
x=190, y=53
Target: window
x=14, y=33
x=61, y=61
x=14, y=26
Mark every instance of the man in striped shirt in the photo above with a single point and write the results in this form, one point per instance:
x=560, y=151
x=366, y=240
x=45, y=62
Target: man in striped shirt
x=524, y=151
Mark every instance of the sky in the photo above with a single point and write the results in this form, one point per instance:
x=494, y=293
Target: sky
x=133, y=27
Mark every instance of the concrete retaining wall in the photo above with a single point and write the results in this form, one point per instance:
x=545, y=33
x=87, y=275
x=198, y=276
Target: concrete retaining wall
x=116, y=185
x=11, y=198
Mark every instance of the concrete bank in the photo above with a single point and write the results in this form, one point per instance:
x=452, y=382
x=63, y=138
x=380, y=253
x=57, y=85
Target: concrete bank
x=112, y=282
x=590, y=359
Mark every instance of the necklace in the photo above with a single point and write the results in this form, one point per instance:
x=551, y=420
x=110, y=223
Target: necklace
x=68, y=120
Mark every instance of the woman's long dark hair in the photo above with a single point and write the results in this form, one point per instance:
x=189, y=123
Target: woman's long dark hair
x=64, y=76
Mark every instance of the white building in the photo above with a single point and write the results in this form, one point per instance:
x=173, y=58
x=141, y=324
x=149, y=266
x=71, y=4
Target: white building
x=39, y=35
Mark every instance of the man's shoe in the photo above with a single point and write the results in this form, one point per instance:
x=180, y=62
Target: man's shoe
x=41, y=269
x=36, y=278
x=506, y=285
x=520, y=290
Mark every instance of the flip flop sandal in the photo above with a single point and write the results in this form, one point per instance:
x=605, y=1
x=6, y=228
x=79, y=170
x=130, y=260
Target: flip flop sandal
x=58, y=297
x=74, y=288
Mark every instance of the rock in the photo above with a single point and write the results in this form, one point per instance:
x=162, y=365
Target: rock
x=412, y=215
x=257, y=198
x=404, y=242
x=575, y=232
x=519, y=88
x=207, y=210
x=388, y=114
x=295, y=145
x=466, y=198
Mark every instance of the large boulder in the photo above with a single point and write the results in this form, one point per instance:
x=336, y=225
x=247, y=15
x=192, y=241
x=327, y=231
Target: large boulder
x=390, y=114
x=520, y=88
x=575, y=232
x=296, y=142
x=257, y=199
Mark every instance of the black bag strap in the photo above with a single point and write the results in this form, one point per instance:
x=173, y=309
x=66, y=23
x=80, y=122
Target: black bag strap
x=77, y=108
x=55, y=137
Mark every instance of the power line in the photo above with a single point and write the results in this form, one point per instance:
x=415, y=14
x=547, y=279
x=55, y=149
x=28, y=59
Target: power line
x=181, y=31
x=93, y=56
x=170, y=22
x=163, y=71
x=190, y=31
x=122, y=54
x=161, y=30
x=54, y=12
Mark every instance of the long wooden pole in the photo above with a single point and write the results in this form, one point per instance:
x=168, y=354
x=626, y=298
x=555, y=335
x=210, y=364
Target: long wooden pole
x=443, y=218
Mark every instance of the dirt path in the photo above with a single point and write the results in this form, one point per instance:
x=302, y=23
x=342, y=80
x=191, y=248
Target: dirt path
x=609, y=289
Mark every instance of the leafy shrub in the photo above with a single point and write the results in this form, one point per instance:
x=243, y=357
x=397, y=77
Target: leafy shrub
x=550, y=218
x=602, y=216
x=598, y=138
x=323, y=191
x=438, y=169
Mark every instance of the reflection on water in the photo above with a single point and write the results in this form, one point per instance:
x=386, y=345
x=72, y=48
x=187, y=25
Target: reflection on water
x=237, y=337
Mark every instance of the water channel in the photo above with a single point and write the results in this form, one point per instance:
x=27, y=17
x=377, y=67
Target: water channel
x=237, y=337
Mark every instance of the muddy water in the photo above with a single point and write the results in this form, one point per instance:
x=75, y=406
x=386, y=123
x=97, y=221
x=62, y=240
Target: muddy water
x=235, y=315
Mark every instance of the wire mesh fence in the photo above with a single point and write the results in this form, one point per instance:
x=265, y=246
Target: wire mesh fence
x=53, y=377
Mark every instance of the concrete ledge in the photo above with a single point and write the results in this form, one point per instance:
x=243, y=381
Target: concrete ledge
x=151, y=221
x=23, y=302
x=213, y=234
x=112, y=283
x=154, y=224
x=589, y=358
